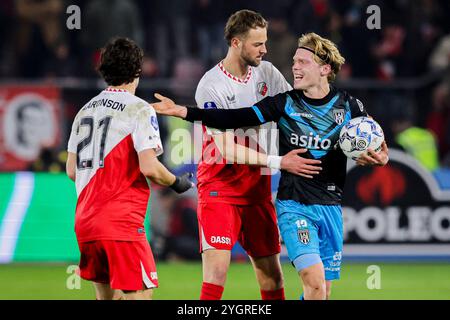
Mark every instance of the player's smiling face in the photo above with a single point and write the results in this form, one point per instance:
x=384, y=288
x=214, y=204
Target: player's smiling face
x=253, y=46
x=307, y=72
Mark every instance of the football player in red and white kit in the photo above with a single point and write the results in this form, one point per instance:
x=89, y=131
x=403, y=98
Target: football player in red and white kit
x=235, y=202
x=112, y=149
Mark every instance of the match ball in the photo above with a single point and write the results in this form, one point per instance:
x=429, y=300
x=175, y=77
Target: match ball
x=360, y=134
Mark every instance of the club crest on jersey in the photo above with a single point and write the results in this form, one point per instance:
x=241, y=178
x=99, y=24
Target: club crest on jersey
x=303, y=236
x=339, y=115
x=209, y=105
x=154, y=123
x=262, y=88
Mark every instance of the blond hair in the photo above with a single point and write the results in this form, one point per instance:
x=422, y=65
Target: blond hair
x=325, y=52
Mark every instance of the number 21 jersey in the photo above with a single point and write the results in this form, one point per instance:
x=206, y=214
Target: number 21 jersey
x=107, y=135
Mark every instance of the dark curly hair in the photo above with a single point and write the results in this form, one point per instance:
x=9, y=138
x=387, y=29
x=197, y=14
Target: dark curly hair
x=120, y=62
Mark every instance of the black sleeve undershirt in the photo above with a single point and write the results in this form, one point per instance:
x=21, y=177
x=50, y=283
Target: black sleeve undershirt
x=224, y=118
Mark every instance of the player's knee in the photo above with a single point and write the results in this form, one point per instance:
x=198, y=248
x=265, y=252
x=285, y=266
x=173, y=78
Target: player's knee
x=272, y=281
x=314, y=283
x=217, y=275
x=277, y=279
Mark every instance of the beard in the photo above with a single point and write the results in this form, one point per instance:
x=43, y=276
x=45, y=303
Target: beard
x=249, y=61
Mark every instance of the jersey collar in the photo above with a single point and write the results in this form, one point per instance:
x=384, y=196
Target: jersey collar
x=229, y=75
x=318, y=102
x=109, y=89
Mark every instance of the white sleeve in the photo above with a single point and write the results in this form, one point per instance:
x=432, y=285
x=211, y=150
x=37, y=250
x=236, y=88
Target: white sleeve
x=146, y=131
x=207, y=99
x=279, y=83
x=73, y=141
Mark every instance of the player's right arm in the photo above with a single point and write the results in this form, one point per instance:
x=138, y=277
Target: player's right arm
x=268, y=109
x=264, y=111
x=159, y=174
x=225, y=140
x=71, y=163
x=147, y=144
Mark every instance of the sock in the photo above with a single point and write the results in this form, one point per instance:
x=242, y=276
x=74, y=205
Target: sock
x=211, y=291
x=273, y=294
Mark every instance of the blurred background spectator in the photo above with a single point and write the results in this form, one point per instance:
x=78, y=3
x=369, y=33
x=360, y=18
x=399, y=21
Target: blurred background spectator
x=39, y=38
x=418, y=142
x=104, y=19
x=180, y=240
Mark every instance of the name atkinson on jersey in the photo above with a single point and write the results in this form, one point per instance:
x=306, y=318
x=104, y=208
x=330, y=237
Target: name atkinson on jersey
x=107, y=103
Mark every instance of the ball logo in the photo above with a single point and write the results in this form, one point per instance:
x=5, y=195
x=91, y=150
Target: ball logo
x=361, y=144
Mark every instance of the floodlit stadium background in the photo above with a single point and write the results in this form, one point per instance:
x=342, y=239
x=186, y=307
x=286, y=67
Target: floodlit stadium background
x=397, y=218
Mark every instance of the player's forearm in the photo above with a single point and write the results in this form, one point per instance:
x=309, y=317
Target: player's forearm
x=160, y=175
x=242, y=155
x=223, y=119
x=71, y=166
x=237, y=153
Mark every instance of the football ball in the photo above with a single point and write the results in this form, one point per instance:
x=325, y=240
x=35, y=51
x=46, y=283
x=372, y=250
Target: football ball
x=358, y=135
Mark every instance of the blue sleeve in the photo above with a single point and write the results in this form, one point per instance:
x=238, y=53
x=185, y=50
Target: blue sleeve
x=271, y=108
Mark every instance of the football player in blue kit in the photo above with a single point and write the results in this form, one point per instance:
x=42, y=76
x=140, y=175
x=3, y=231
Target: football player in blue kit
x=310, y=117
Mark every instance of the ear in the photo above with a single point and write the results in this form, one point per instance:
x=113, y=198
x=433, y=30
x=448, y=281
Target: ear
x=235, y=42
x=325, y=70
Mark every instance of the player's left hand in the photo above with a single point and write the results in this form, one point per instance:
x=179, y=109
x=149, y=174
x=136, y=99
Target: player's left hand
x=183, y=183
x=168, y=107
x=372, y=158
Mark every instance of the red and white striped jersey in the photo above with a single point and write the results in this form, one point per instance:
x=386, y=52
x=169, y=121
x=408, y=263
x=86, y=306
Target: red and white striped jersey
x=107, y=135
x=236, y=183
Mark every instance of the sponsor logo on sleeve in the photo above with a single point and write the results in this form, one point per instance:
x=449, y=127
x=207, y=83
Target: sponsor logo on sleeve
x=154, y=122
x=209, y=105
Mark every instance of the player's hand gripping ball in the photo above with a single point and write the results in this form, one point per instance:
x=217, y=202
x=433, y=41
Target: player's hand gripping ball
x=358, y=135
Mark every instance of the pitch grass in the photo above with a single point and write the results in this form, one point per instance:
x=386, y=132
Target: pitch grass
x=182, y=281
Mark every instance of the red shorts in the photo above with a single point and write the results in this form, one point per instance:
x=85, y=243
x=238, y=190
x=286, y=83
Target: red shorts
x=124, y=265
x=254, y=226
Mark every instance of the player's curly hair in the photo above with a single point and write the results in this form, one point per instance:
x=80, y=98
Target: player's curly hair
x=120, y=62
x=241, y=22
x=325, y=52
